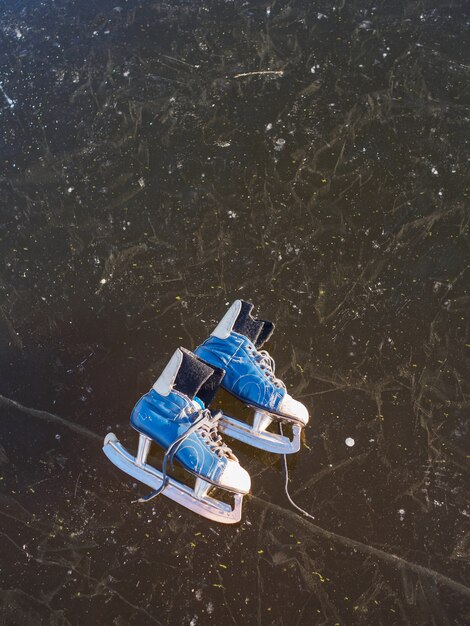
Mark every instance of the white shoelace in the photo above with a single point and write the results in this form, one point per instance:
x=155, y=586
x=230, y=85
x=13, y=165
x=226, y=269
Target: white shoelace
x=206, y=423
x=286, y=483
x=266, y=362
x=209, y=431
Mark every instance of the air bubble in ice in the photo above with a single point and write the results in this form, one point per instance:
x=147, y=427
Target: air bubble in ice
x=349, y=441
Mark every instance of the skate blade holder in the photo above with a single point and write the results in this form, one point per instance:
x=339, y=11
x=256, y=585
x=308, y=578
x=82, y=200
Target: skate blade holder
x=258, y=436
x=196, y=500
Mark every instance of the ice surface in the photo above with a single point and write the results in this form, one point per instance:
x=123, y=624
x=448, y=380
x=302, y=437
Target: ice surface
x=159, y=160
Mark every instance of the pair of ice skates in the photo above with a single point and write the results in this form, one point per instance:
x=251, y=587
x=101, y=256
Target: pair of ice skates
x=174, y=414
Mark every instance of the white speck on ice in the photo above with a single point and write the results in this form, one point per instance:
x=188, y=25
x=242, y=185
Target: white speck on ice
x=269, y=127
x=349, y=441
x=142, y=182
x=103, y=281
x=434, y=171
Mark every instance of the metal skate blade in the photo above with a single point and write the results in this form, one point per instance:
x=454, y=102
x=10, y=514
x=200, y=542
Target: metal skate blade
x=260, y=438
x=196, y=499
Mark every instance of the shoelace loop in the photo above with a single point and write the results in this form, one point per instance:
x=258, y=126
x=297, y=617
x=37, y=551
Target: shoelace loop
x=209, y=431
x=266, y=362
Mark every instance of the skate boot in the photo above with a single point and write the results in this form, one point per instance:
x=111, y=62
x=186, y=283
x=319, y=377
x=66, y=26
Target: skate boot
x=173, y=415
x=250, y=376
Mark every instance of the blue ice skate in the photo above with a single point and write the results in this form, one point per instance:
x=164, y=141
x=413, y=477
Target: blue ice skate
x=250, y=376
x=173, y=415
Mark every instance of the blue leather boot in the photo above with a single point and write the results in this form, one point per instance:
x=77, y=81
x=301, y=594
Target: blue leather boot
x=250, y=376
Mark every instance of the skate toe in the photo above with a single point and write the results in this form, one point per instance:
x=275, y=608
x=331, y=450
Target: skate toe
x=294, y=409
x=235, y=478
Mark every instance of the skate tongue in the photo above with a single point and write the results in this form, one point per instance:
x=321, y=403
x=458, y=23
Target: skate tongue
x=265, y=333
x=257, y=331
x=192, y=374
x=208, y=390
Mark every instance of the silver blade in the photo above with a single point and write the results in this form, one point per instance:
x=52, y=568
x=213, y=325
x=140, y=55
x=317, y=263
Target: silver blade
x=182, y=494
x=270, y=442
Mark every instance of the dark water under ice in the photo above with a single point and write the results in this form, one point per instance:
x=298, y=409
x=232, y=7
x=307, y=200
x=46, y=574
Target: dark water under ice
x=147, y=180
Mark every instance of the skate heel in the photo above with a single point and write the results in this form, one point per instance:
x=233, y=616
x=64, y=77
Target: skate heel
x=258, y=436
x=197, y=499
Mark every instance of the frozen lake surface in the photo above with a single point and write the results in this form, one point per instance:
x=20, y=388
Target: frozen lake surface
x=159, y=160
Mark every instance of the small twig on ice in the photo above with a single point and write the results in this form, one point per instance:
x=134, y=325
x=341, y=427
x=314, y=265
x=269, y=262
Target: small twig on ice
x=260, y=73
